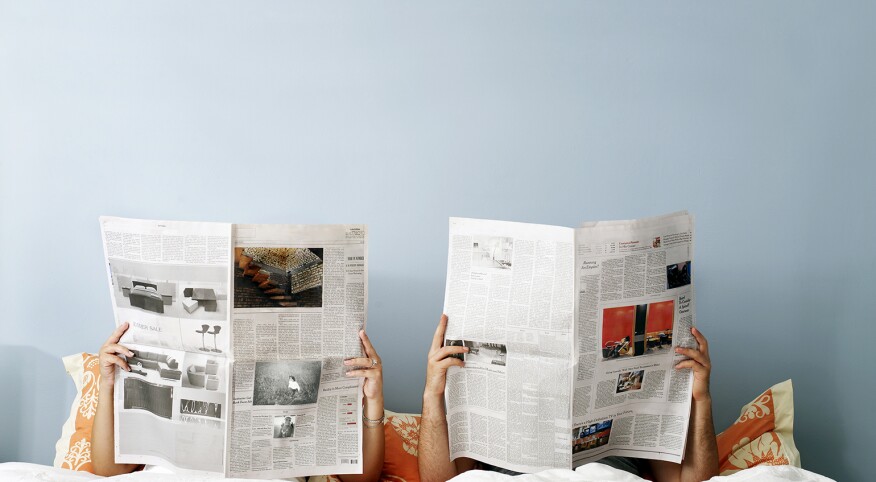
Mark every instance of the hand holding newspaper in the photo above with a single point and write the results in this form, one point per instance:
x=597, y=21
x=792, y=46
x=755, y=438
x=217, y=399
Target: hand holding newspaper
x=239, y=334
x=571, y=336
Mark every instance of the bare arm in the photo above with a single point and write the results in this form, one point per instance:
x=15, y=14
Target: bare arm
x=434, y=446
x=371, y=369
x=701, y=451
x=102, y=432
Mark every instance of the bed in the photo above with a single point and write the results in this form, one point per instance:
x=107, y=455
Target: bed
x=758, y=446
x=20, y=472
x=147, y=297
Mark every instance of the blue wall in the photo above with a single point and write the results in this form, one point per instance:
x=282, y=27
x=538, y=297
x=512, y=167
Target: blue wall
x=759, y=117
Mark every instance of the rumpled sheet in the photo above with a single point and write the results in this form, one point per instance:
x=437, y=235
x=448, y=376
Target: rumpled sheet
x=604, y=473
x=21, y=472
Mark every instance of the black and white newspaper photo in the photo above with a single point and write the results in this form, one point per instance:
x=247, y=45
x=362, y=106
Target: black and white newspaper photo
x=299, y=295
x=170, y=281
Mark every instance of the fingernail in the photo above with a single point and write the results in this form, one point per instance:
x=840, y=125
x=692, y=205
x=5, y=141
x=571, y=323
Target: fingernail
x=348, y=362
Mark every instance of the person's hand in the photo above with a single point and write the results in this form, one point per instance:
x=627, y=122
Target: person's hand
x=370, y=368
x=109, y=357
x=440, y=360
x=700, y=363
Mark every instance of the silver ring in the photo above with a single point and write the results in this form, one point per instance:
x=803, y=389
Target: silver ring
x=373, y=362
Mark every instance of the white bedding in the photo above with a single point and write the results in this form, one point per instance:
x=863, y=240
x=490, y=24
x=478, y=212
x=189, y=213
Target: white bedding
x=20, y=472
x=604, y=473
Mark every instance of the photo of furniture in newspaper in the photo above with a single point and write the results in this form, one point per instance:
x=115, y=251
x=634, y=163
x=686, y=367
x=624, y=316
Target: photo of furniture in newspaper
x=584, y=324
x=166, y=366
x=203, y=372
x=204, y=337
x=278, y=277
x=631, y=331
x=171, y=290
x=151, y=397
x=172, y=392
x=200, y=408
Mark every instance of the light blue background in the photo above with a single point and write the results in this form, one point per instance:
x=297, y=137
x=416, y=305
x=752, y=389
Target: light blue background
x=759, y=117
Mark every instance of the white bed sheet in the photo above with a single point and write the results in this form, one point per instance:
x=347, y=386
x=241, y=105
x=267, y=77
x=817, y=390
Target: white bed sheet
x=22, y=472
x=604, y=473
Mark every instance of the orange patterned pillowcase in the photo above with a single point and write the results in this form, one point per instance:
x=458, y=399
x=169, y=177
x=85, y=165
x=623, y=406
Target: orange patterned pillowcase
x=401, y=434
x=73, y=449
x=763, y=434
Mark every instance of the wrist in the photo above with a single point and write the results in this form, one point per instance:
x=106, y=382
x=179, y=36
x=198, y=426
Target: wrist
x=433, y=397
x=434, y=390
x=373, y=421
x=374, y=403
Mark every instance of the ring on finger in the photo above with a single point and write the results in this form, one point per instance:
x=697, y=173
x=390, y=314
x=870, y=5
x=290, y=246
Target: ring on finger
x=373, y=362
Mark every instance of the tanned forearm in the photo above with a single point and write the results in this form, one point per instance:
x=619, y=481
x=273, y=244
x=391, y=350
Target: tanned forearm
x=434, y=449
x=103, y=453
x=434, y=457
x=701, y=450
x=701, y=453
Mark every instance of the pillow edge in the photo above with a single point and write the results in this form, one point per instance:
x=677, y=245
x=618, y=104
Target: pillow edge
x=74, y=365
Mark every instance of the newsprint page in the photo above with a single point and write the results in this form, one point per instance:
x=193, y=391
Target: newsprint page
x=571, y=336
x=239, y=333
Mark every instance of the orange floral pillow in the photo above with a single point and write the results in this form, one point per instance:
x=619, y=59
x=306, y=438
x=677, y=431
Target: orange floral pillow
x=763, y=434
x=73, y=449
x=401, y=434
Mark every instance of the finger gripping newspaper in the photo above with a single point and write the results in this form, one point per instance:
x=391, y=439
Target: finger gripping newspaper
x=239, y=333
x=571, y=336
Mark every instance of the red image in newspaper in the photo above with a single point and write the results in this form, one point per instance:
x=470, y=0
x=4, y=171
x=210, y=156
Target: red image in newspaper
x=637, y=330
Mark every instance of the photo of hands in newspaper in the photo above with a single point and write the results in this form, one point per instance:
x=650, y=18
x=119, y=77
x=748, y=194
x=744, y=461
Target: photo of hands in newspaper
x=583, y=324
x=239, y=333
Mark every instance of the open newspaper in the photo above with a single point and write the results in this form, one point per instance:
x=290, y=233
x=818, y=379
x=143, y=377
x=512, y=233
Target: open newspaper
x=239, y=334
x=571, y=336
